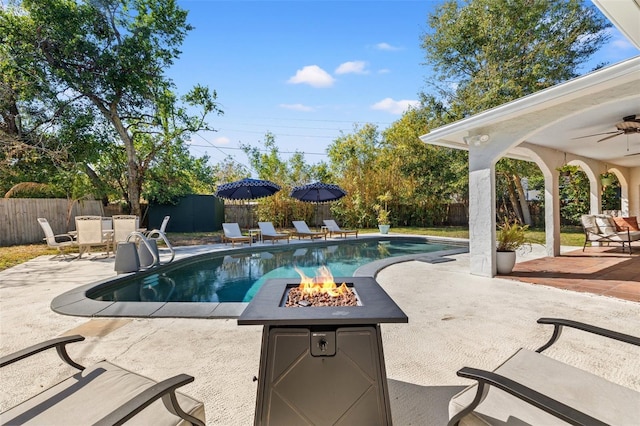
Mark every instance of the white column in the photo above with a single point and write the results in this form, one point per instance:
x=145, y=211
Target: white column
x=482, y=213
x=552, y=213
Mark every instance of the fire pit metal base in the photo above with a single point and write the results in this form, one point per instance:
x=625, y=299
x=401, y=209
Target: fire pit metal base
x=322, y=365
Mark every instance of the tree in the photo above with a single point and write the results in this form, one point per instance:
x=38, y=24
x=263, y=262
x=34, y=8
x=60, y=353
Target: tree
x=485, y=53
x=110, y=55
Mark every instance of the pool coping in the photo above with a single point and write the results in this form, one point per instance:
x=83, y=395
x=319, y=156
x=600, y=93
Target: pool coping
x=76, y=303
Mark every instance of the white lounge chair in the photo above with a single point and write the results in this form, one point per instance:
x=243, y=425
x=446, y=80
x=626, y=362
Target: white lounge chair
x=303, y=231
x=268, y=232
x=90, y=233
x=154, y=232
x=102, y=394
x=60, y=241
x=232, y=233
x=533, y=389
x=333, y=228
x=123, y=226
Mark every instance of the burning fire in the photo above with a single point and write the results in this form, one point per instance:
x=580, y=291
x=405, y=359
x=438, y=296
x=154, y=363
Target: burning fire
x=323, y=283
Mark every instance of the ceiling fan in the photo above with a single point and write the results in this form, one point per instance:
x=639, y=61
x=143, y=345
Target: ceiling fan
x=629, y=125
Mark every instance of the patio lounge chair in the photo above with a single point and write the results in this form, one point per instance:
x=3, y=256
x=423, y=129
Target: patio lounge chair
x=333, y=228
x=154, y=232
x=303, y=231
x=531, y=388
x=60, y=241
x=601, y=228
x=268, y=232
x=103, y=394
x=232, y=233
x=90, y=233
x=123, y=226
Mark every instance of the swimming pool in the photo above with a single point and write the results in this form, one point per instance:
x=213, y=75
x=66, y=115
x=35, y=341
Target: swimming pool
x=219, y=284
x=236, y=277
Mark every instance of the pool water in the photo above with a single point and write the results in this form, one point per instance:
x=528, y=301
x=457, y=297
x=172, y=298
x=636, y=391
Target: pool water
x=237, y=276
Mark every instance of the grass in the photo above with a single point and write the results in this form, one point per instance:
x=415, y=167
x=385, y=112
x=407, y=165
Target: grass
x=15, y=255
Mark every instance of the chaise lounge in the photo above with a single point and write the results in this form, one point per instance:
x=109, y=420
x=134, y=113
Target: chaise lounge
x=103, y=394
x=533, y=389
x=303, y=231
x=268, y=232
x=602, y=228
x=333, y=228
x=232, y=233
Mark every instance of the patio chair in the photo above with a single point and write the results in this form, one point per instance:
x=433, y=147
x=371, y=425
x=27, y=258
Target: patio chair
x=268, y=232
x=303, y=231
x=60, y=241
x=532, y=388
x=90, y=233
x=601, y=228
x=103, y=394
x=154, y=232
x=123, y=226
x=333, y=228
x=232, y=233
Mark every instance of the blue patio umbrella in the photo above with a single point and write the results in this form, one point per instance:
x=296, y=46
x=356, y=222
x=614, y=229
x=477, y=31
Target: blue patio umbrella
x=317, y=193
x=247, y=189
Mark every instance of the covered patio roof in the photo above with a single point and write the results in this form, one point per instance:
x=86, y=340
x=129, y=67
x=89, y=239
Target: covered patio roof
x=559, y=125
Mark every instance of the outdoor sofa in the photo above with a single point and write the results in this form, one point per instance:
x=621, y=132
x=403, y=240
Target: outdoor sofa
x=103, y=394
x=603, y=228
x=534, y=389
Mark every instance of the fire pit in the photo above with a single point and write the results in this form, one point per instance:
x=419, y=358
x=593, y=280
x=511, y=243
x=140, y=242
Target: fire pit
x=322, y=365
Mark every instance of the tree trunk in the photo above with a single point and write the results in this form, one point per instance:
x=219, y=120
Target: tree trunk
x=514, y=200
x=524, y=206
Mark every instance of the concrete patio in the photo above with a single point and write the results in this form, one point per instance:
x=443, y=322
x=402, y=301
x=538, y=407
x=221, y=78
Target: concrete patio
x=455, y=319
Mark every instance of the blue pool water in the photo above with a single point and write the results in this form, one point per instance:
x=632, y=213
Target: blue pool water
x=236, y=276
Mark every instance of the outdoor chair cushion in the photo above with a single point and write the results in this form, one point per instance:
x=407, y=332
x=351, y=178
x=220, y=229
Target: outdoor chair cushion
x=91, y=394
x=606, y=225
x=584, y=391
x=622, y=223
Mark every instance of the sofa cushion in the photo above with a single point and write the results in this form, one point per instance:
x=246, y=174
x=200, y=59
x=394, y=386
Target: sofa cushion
x=89, y=395
x=622, y=223
x=586, y=392
x=605, y=223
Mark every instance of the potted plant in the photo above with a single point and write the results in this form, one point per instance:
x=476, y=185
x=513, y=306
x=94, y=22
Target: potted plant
x=383, y=212
x=510, y=237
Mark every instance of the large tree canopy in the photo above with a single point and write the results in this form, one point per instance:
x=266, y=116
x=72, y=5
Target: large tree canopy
x=484, y=53
x=110, y=56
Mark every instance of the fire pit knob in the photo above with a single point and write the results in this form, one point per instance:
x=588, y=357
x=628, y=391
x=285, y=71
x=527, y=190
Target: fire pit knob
x=323, y=343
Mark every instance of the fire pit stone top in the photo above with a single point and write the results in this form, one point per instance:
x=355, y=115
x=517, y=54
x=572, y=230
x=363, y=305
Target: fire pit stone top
x=375, y=306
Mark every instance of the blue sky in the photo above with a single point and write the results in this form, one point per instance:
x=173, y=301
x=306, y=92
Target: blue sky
x=308, y=70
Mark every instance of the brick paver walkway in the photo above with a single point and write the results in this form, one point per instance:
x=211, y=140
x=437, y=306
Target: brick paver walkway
x=600, y=270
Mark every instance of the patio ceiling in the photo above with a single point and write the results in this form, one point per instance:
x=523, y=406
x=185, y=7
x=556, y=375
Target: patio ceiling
x=554, y=117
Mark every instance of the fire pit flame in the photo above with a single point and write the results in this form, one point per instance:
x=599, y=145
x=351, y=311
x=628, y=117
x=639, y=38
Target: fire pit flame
x=320, y=291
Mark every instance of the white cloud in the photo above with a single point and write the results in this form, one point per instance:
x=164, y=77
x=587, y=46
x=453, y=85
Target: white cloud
x=386, y=46
x=221, y=141
x=296, y=107
x=312, y=75
x=384, y=71
x=394, y=107
x=352, y=67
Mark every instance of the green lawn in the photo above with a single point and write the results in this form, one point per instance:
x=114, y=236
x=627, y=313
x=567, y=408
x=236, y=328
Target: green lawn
x=11, y=256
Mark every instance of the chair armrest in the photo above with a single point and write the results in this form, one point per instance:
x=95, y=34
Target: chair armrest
x=58, y=343
x=164, y=389
x=558, y=323
x=543, y=402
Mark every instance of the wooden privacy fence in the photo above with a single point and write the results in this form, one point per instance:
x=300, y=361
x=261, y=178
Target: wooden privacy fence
x=19, y=217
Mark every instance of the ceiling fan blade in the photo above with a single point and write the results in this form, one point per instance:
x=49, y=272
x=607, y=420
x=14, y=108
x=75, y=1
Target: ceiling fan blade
x=595, y=134
x=612, y=136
